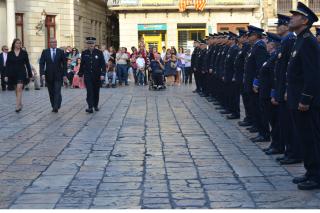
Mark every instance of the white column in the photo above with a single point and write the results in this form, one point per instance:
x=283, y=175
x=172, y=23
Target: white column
x=11, y=21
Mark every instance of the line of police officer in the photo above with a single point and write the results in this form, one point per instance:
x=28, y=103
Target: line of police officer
x=278, y=78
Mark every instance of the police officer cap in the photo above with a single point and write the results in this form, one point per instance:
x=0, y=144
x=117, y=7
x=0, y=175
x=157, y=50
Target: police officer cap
x=317, y=31
x=255, y=30
x=273, y=37
x=242, y=32
x=91, y=40
x=202, y=41
x=283, y=20
x=232, y=35
x=302, y=9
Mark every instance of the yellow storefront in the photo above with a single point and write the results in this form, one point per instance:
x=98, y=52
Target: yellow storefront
x=153, y=35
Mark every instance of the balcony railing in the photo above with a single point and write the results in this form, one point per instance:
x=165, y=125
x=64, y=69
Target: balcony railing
x=174, y=4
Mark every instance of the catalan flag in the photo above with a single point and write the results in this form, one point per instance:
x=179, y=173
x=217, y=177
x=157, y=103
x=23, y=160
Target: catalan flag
x=200, y=4
x=183, y=4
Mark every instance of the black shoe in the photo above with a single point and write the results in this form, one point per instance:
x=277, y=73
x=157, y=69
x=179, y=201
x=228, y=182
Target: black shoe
x=260, y=138
x=89, y=110
x=273, y=151
x=225, y=112
x=233, y=117
x=37, y=88
x=289, y=161
x=244, y=123
x=195, y=91
x=266, y=149
x=281, y=158
x=308, y=185
x=113, y=86
x=55, y=110
x=300, y=179
x=253, y=130
x=96, y=109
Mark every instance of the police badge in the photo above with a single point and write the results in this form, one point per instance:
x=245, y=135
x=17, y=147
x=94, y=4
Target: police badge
x=264, y=64
x=279, y=55
x=294, y=54
x=96, y=57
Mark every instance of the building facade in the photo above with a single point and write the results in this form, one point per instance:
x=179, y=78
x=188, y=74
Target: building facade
x=36, y=21
x=273, y=7
x=159, y=23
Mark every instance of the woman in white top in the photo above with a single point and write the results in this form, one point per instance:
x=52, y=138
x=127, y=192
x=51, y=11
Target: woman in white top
x=188, y=70
x=181, y=62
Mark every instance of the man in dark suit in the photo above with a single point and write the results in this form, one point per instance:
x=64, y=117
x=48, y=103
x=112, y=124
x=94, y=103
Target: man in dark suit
x=3, y=60
x=304, y=94
x=93, y=68
x=54, y=70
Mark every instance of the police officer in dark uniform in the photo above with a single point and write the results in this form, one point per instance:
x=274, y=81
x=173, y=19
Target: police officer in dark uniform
x=318, y=34
x=263, y=84
x=201, y=66
x=93, y=68
x=257, y=56
x=205, y=68
x=212, y=60
x=304, y=93
x=209, y=76
x=238, y=76
x=287, y=140
x=221, y=69
x=216, y=69
x=194, y=64
x=228, y=76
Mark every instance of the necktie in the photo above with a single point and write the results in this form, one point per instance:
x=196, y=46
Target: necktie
x=53, y=54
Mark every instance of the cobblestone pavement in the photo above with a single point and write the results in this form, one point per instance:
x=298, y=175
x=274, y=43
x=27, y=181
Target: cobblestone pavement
x=167, y=149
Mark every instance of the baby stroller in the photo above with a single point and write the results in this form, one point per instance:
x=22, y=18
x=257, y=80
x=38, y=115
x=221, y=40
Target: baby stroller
x=156, y=80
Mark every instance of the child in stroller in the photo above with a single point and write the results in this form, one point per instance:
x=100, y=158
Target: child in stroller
x=156, y=69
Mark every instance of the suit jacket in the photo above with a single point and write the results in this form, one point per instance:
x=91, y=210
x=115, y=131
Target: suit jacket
x=2, y=68
x=53, y=70
x=266, y=76
x=92, y=65
x=256, y=57
x=304, y=72
x=229, y=69
x=280, y=80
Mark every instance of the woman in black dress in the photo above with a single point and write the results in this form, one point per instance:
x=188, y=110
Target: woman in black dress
x=18, y=70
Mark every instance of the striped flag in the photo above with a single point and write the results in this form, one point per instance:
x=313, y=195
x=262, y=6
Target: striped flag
x=183, y=4
x=200, y=4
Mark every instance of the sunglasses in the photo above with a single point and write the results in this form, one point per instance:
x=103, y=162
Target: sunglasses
x=6, y=49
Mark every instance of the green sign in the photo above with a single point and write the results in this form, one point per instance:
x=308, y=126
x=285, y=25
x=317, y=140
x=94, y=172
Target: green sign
x=151, y=27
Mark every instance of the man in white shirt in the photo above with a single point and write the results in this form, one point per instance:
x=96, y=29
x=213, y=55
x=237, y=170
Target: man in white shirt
x=3, y=61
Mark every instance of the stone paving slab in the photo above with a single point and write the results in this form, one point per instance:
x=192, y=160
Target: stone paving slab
x=143, y=150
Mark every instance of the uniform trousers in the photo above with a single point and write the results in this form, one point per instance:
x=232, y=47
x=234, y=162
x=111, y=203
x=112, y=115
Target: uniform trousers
x=93, y=90
x=307, y=126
